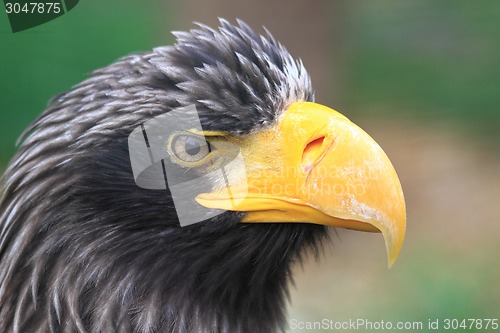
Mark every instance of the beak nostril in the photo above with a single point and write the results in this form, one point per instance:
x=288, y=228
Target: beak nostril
x=313, y=146
x=312, y=151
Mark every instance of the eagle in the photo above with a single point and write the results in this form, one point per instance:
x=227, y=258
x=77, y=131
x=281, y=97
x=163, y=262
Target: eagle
x=86, y=246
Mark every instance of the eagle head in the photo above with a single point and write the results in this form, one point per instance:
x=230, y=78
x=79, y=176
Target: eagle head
x=86, y=247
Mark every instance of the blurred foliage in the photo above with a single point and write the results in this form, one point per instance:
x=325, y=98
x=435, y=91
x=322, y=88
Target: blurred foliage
x=429, y=60
x=39, y=63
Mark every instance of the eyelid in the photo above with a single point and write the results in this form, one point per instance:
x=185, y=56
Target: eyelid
x=206, y=133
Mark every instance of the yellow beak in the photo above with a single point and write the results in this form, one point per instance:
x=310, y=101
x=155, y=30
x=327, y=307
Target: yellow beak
x=316, y=166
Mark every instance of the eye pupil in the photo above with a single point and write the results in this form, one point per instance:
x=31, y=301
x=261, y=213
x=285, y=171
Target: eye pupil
x=192, y=146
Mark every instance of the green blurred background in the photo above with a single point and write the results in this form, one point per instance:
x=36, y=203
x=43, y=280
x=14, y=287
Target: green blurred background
x=422, y=77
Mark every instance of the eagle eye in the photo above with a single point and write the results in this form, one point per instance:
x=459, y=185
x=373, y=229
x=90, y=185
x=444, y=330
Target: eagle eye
x=190, y=148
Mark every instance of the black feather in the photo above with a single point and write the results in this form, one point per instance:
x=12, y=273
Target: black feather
x=84, y=249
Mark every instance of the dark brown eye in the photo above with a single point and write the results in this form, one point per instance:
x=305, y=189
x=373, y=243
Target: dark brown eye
x=189, y=148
